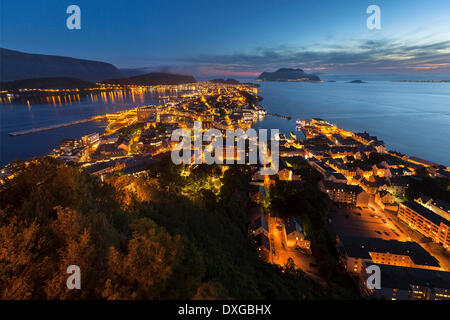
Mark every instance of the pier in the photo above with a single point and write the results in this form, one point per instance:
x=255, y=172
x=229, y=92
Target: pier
x=279, y=115
x=34, y=130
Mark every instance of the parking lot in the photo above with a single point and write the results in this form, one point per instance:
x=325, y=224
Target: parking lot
x=366, y=222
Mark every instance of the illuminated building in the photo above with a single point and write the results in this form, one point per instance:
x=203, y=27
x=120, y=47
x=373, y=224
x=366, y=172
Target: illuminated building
x=405, y=283
x=344, y=193
x=294, y=235
x=426, y=222
x=354, y=250
x=90, y=139
x=145, y=114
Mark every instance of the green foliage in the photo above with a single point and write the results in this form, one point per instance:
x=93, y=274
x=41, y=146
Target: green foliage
x=301, y=167
x=291, y=199
x=163, y=244
x=168, y=174
x=305, y=201
x=436, y=188
x=373, y=159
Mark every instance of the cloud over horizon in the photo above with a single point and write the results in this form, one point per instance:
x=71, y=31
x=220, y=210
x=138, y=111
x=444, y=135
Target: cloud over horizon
x=361, y=56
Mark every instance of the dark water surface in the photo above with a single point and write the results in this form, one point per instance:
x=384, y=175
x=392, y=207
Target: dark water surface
x=413, y=118
x=43, y=112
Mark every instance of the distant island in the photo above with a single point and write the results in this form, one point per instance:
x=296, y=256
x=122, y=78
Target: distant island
x=153, y=78
x=47, y=83
x=357, y=81
x=287, y=74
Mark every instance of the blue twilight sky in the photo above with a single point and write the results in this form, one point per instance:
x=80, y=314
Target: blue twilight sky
x=237, y=38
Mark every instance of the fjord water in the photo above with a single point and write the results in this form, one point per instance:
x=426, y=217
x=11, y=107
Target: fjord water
x=413, y=118
x=410, y=117
x=41, y=112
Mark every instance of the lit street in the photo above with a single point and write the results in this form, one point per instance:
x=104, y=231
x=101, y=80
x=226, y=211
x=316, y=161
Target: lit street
x=280, y=252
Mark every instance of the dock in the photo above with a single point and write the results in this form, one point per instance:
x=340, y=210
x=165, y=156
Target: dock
x=34, y=130
x=279, y=115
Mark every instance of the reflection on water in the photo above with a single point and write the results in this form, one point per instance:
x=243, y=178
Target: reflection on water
x=36, y=110
x=413, y=118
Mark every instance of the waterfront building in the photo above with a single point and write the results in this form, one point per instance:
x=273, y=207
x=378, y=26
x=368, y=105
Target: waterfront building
x=69, y=144
x=91, y=139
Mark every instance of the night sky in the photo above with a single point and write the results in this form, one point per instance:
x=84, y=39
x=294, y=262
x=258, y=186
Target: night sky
x=237, y=38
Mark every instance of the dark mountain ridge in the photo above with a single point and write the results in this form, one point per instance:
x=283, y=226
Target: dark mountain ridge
x=16, y=65
x=47, y=83
x=153, y=78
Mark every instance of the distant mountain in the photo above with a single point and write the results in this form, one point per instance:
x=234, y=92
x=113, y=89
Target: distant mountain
x=356, y=81
x=131, y=72
x=287, y=74
x=227, y=81
x=46, y=83
x=153, y=78
x=16, y=65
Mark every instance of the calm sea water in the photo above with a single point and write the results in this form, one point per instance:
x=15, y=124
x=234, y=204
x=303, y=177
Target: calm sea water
x=413, y=118
x=19, y=116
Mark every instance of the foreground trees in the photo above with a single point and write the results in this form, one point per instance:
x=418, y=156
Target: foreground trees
x=133, y=238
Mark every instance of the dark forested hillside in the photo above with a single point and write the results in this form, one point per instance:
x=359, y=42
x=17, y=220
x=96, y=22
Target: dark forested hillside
x=16, y=65
x=162, y=236
x=153, y=78
x=47, y=83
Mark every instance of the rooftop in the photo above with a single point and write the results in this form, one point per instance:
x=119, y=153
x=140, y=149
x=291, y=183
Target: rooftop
x=359, y=247
x=403, y=277
x=260, y=222
x=426, y=213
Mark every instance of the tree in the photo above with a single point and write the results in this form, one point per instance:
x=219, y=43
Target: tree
x=145, y=269
x=290, y=265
